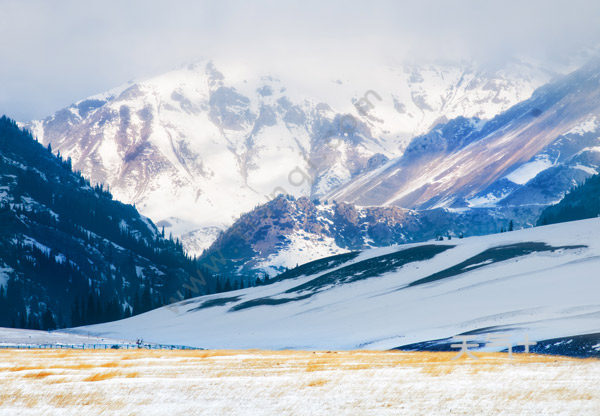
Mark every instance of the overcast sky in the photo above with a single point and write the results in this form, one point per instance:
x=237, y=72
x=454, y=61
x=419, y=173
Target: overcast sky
x=56, y=52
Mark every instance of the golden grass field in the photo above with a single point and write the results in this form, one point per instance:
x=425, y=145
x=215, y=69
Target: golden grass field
x=218, y=382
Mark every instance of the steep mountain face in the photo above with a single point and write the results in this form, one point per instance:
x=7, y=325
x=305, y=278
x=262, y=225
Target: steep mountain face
x=196, y=147
x=70, y=254
x=536, y=284
x=530, y=154
x=580, y=203
x=286, y=232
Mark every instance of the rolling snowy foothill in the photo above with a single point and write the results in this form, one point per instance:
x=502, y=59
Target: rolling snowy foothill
x=542, y=283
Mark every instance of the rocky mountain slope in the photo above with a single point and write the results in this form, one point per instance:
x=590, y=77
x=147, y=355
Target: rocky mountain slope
x=531, y=154
x=287, y=231
x=69, y=253
x=503, y=289
x=196, y=147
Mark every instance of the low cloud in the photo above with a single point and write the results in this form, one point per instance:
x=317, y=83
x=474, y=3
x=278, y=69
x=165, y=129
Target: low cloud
x=54, y=53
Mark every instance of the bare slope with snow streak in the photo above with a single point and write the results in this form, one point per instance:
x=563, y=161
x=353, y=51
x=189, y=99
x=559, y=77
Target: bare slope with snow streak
x=196, y=147
x=531, y=154
x=540, y=282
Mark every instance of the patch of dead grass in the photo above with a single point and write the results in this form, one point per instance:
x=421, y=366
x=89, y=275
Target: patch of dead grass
x=23, y=368
x=62, y=400
x=318, y=382
x=437, y=370
x=38, y=375
x=112, y=364
x=316, y=366
x=104, y=376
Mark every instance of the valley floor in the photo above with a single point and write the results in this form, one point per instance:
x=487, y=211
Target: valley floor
x=252, y=382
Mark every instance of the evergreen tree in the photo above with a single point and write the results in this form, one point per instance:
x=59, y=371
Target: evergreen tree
x=75, y=314
x=91, y=309
x=48, y=322
x=146, y=299
x=23, y=319
x=137, y=305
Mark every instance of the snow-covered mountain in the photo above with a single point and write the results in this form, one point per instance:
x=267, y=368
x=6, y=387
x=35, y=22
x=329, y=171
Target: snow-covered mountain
x=539, y=283
x=466, y=176
x=530, y=154
x=196, y=147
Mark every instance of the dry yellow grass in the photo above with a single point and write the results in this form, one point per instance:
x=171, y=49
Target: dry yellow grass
x=281, y=382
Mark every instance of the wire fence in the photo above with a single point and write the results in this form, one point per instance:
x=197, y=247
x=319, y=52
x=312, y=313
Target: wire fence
x=97, y=347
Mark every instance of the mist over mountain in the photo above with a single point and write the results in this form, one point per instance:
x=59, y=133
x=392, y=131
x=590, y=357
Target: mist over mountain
x=196, y=148
x=86, y=48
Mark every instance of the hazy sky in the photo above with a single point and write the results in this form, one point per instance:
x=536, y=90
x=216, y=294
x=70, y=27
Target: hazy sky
x=56, y=52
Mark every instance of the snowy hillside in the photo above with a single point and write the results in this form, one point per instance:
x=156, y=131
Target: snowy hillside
x=70, y=254
x=196, y=147
x=541, y=283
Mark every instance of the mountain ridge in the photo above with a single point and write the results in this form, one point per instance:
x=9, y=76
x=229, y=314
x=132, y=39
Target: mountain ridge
x=186, y=135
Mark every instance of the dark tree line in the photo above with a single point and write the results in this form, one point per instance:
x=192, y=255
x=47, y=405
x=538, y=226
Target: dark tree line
x=14, y=314
x=580, y=203
x=76, y=255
